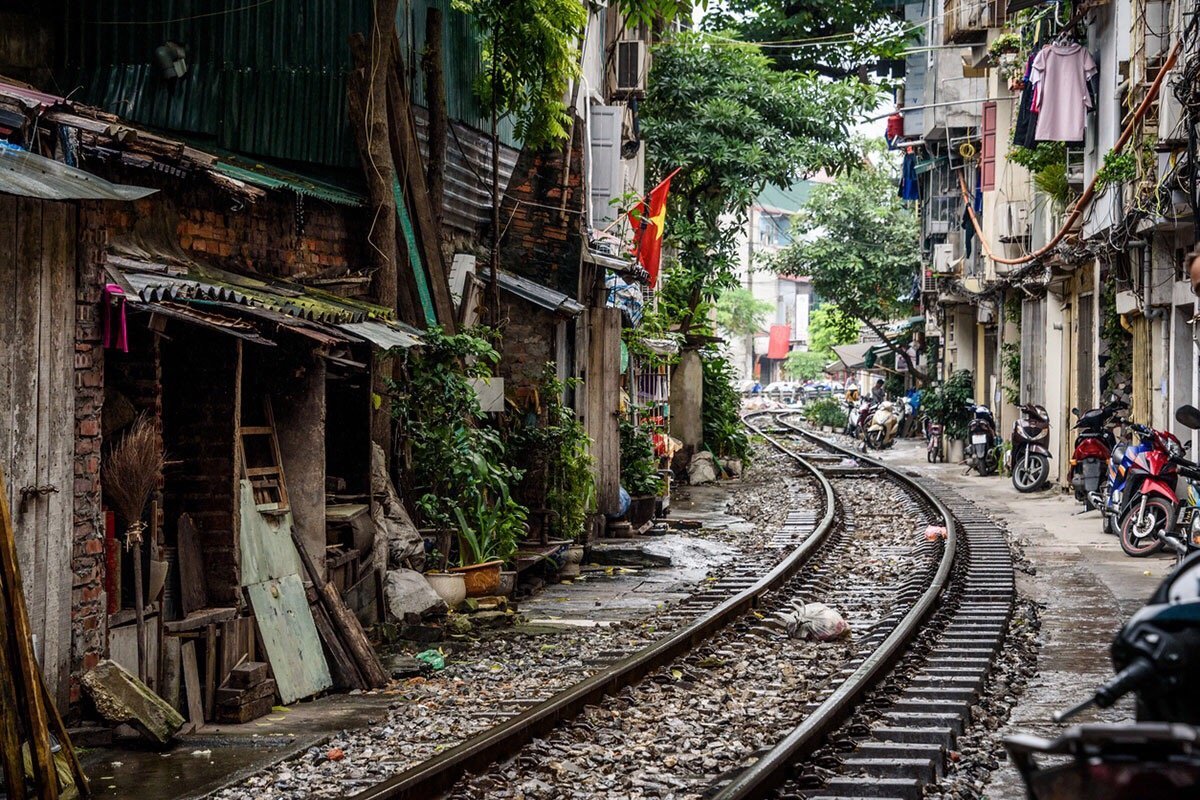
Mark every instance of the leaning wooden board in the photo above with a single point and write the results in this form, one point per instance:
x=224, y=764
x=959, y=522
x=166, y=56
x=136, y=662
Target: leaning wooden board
x=290, y=638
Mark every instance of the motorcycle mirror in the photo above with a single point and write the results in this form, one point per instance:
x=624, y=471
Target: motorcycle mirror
x=1075, y=410
x=1188, y=415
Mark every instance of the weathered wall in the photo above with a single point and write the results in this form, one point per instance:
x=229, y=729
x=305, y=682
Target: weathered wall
x=529, y=342
x=542, y=241
x=88, y=601
x=687, y=399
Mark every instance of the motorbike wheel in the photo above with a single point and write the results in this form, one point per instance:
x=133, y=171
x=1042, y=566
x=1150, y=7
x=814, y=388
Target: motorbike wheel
x=1028, y=474
x=874, y=440
x=986, y=465
x=1140, y=532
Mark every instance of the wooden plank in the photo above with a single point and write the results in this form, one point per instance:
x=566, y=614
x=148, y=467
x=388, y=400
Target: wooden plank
x=210, y=671
x=29, y=526
x=192, y=582
x=57, y=438
x=64, y=738
x=191, y=685
x=200, y=619
x=8, y=334
x=267, y=544
x=345, y=672
x=406, y=155
x=10, y=736
x=25, y=674
x=290, y=637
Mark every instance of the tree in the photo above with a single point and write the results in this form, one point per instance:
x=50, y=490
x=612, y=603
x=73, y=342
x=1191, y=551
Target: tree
x=805, y=365
x=829, y=327
x=530, y=55
x=740, y=313
x=857, y=241
x=734, y=125
x=836, y=38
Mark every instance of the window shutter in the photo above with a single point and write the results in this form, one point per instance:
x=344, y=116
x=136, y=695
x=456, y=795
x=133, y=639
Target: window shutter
x=987, y=166
x=605, y=173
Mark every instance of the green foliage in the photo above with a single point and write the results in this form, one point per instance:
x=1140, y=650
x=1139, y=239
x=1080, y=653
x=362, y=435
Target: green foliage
x=805, y=365
x=1118, y=168
x=456, y=462
x=950, y=403
x=826, y=411
x=740, y=313
x=557, y=450
x=1036, y=159
x=724, y=433
x=851, y=35
x=1005, y=43
x=828, y=327
x=1118, y=343
x=1052, y=182
x=734, y=125
x=639, y=465
x=651, y=12
x=530, y=56
x=857, y=242
x=1010, y=363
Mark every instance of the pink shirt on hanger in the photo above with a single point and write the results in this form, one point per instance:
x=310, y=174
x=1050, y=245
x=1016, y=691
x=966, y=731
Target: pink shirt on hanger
x=1060, y=74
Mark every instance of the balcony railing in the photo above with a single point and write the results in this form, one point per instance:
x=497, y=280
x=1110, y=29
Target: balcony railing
x=967, y=21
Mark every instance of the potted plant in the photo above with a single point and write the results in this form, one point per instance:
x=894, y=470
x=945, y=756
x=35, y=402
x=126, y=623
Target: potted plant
x=487, y=537
x=639, y=472
x=951, y=405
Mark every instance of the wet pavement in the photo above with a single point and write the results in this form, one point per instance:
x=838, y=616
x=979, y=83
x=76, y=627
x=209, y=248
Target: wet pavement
x=1084, y=583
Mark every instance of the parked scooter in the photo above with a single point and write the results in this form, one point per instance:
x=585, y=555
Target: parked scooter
x=1155, y=657
x=934, y=434
x=982, y=439
x=1029, y=459
x=884, y=425
x=862, y=418
x=1093, y=448
x=1148, y=500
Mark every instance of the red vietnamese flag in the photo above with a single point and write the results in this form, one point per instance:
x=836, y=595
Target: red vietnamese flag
x=648, y=227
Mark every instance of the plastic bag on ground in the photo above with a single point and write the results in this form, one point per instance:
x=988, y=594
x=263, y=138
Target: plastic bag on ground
x=815, y=621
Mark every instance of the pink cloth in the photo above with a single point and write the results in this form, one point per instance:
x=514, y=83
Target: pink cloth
x=1060, y=74
x=115, y=333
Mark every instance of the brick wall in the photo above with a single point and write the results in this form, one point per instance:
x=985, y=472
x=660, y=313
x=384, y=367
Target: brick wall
x=199, y=369
x=88, y=612
x=539, y=242
x=528, y=342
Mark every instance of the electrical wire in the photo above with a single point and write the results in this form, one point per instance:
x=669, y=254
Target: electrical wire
x=206, y=15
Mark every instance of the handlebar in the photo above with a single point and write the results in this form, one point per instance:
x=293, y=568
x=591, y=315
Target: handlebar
x=1125, y=681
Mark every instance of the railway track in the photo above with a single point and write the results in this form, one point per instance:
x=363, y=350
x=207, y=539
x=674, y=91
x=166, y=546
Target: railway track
x=892, y=594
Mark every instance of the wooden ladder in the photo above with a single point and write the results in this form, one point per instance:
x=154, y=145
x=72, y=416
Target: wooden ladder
x=266, y=480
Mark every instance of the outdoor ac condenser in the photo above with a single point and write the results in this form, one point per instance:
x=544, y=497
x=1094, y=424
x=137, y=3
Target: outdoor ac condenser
x=631, y=75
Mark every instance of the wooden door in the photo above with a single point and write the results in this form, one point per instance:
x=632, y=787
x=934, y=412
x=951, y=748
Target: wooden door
x=37, y=412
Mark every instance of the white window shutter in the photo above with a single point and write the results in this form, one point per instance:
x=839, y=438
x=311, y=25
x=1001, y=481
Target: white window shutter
x=606, y=170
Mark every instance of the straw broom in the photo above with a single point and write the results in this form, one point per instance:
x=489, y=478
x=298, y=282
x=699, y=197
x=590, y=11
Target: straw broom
x=129, y=476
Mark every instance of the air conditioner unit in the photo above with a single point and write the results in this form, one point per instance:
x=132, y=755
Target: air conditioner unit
x=631, y=67
x=1014, y=221
x=1171, y=124
x=943, y=259
x=929, y=284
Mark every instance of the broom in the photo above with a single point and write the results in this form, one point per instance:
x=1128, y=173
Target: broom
x=129, y=476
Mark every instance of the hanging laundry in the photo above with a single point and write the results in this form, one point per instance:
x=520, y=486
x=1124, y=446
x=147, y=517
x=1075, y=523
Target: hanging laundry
x=1023, y=131
x=909, y=188
x=1060, y=75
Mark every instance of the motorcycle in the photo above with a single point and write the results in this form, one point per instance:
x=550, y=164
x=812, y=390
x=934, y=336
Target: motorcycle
x=862, y=419
x=981, y=441
x=885, y=424
x=933, y=442
x=1029, y=459
x=1155, y=656
x=1093, y=449
x=1148, y=499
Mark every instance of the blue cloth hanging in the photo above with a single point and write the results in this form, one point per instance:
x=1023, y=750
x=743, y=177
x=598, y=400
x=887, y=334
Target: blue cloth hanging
x=909, y=189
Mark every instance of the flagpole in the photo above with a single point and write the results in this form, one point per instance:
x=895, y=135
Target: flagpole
x=621, y=214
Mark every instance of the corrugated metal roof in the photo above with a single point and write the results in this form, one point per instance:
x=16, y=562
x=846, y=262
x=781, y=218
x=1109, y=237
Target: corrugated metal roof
x=535, y=293
x=30, y=175
x=270, y=177
x=386, y=337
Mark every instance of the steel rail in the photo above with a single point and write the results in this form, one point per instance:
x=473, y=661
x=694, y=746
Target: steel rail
x=433, y=777
x=772, y=769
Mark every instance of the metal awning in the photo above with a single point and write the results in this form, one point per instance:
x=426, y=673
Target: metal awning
x=853, y=356
x=535, y=293
x=384, y=336
x=27, y=174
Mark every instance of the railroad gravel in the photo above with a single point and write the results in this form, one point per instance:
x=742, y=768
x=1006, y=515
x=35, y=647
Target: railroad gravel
x=675, y=733
x=504, y=672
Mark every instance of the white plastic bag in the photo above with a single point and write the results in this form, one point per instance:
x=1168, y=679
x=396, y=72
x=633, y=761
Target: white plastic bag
x=815, y=621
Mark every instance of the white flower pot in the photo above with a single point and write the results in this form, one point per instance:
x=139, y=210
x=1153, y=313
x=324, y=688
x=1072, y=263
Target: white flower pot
x=450, y=586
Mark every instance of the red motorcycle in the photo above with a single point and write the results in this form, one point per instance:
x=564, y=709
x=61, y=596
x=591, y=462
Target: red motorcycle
x=1149, y=502
x=1093, y=447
